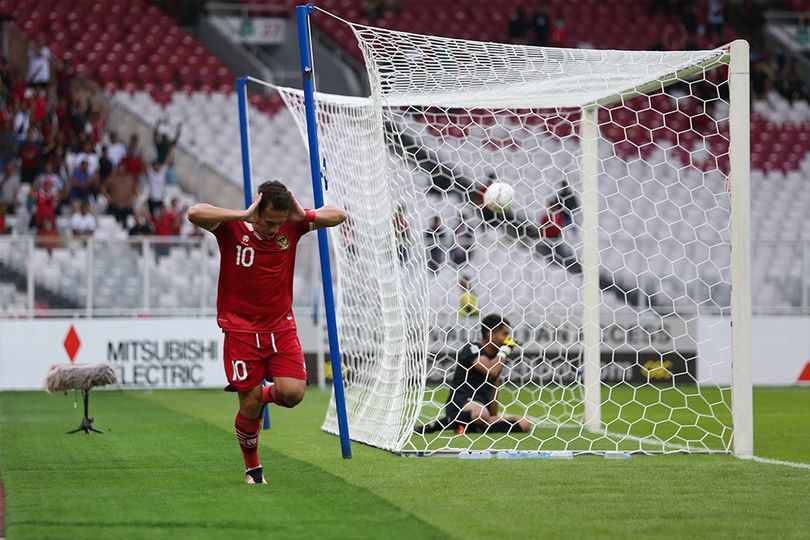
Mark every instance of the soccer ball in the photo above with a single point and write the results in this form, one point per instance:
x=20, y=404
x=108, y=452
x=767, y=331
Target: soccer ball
x=498, y=196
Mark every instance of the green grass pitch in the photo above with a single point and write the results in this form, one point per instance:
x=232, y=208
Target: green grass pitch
x=169, y=467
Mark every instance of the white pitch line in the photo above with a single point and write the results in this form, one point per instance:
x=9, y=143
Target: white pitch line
x=769, y=461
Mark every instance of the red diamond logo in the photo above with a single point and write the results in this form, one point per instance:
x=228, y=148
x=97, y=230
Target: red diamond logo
x=804, y=376
x=72, y=343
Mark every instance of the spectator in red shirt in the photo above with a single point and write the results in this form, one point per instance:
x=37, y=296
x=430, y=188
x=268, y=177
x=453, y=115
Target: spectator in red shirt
x=46, y=200
x=559, y=34
x=39, y=106
x=175, y=212
x=133, y=161
x=166, y=222
x=4, y=228
x=552, y=222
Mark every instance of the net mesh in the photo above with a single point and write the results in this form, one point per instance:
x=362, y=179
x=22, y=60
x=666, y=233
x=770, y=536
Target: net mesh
x=421, y=260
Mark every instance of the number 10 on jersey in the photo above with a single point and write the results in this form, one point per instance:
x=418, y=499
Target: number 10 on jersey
x=244, y=256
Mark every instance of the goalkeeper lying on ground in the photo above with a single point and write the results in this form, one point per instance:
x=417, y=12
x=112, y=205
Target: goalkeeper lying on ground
x=473, y=404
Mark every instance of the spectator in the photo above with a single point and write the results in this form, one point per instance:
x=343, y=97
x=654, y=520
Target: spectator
x=105, y=166
x=569, y=202
x=8, y=143
x=156, y=185
x=134, y=146
x=435, y=239
x=790, y=84
x=81, y=185
x=121, y=191
x=716, y=18
x=372, y=9
x=540, y=23
x=164, y=146
x=79, y=113
x=30, y=153
x=517, y=27
x=96, y=127
x=177, y=212
x=39, y=65
x=116, y=150
x=49, y=174
x=133, y=160
x=462, y=248
x=672, y=37
x=83, y=222
x=46, y=200
x=553, y=222
x=5, y=228
x=39, y=106
x=468, y=303
x=6, y=70
x=142, y=226
x=89, y=155
x=9, y=185
x=559, y=34
x=164, y=224
x=22, y=121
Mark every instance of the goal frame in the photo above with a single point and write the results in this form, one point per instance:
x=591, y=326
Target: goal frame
x=736, y=56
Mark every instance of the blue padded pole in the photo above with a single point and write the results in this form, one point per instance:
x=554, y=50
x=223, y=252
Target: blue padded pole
x=302, y=14
x=244, y=135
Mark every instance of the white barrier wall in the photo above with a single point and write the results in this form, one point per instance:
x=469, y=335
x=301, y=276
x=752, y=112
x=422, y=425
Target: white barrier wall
x=780, y=349
x=154, y=353
x=187, y=352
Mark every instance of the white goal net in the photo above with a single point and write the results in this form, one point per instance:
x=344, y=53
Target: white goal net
x=613, y=265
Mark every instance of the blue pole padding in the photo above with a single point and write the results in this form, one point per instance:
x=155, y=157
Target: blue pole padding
x=302, y=14
x=244, y=135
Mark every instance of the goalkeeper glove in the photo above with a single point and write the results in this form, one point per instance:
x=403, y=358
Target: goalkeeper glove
x=506, y=349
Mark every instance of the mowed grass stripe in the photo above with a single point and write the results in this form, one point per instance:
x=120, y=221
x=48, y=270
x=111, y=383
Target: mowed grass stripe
x=159, y=473
x=661, y=496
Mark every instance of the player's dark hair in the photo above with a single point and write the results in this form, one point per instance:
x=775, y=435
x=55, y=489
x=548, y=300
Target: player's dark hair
x=276, y=194
x=492, y=322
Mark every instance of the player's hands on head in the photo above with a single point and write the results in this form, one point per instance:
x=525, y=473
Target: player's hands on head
x=296, y=210
x=252, y=213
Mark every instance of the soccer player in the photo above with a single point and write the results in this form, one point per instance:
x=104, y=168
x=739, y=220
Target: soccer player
x=473, y=404
x=254, y=304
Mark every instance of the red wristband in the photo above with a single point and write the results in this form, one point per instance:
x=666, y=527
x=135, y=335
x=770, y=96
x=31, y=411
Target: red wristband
x=309, y=215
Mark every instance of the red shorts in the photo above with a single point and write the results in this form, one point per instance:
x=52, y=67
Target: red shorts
x=249, y=358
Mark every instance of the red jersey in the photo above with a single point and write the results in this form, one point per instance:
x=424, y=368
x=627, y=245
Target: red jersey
x=256, y=277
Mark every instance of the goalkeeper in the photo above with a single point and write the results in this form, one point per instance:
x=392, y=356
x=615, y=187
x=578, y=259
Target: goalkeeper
x=473, y=404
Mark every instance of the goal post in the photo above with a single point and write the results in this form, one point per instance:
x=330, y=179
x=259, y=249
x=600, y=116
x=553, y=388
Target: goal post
x=740, y=183
x=591, y=326
x=621, y=264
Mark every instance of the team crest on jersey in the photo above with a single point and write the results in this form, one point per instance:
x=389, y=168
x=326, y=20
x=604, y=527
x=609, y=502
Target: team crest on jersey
x=245, y=239
x=282, y=242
